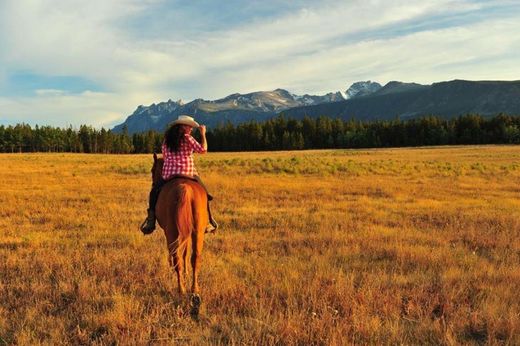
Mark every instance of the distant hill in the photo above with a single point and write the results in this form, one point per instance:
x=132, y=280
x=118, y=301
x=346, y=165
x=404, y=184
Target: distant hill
x=408, y=100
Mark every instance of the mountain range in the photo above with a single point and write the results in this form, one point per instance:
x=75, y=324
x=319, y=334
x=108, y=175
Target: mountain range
x=409, y=100
x=365, y=100
x=235, y=108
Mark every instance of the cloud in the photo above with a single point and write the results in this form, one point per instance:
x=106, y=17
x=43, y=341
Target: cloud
x=64, y=38
x=135, y=52
x=303, y=54
x=50, y=92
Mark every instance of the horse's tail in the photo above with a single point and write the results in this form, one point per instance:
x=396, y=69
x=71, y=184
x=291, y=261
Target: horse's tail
x=184, y=215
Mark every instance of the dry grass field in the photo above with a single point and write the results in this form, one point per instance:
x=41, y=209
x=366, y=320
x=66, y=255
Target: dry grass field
x=388, y=246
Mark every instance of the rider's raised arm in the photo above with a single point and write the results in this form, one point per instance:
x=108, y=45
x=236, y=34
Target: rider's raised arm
x=196, y=146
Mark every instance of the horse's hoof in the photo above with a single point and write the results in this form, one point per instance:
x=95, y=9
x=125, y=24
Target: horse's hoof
x=195, y=306
x=195, y=300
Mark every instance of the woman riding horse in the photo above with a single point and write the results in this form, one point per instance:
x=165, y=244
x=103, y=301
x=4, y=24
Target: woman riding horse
x=177, y=149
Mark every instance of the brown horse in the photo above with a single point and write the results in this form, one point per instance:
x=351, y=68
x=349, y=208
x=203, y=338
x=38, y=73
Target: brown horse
x=182, y=213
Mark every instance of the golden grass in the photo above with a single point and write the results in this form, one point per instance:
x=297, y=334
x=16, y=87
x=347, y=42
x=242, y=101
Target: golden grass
x=390, y=246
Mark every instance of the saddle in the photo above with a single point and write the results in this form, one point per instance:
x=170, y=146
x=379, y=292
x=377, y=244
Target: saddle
x=178, y=176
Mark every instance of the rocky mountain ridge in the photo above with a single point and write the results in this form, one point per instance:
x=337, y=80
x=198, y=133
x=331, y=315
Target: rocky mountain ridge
x=409, y=100
x=365, y=100
x=234, y=108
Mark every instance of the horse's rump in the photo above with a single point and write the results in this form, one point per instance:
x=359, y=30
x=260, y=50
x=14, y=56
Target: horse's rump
x=180, y=200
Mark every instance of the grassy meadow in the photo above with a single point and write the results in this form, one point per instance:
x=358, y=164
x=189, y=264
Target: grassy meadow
x=383, y=246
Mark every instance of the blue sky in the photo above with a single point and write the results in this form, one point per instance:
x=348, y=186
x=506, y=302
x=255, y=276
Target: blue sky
x=93, y=62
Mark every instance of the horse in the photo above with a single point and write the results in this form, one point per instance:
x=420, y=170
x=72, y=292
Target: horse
x=182, y=213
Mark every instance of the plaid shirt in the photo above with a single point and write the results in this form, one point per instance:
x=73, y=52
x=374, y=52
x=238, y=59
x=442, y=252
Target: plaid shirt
x=181, y=162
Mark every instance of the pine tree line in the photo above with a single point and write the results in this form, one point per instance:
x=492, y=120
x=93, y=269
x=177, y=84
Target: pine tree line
x=275, y=134
x=86, y=139
x=319, y=133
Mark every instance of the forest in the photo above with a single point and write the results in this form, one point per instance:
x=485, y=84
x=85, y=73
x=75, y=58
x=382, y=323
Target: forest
x=280, y=133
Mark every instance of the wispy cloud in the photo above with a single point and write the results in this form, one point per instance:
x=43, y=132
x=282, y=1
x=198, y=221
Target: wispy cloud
x=94, y=62
x=50, y=92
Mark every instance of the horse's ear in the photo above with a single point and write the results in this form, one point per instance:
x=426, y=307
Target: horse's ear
x=154, y=157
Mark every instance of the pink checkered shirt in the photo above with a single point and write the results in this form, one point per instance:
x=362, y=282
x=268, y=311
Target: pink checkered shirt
x=181, y=162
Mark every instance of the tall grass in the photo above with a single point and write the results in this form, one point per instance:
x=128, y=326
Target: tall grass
x=394, y=246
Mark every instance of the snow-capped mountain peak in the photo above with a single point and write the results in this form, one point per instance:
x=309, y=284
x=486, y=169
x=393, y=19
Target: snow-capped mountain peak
x=363, y=88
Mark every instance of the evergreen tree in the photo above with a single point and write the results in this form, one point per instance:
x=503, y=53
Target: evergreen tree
x=275, y=134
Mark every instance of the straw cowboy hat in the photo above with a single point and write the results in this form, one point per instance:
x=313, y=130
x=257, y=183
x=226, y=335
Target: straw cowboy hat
x=185, y=120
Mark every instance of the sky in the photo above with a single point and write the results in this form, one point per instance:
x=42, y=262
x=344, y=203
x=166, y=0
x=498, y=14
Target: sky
x=72, y=62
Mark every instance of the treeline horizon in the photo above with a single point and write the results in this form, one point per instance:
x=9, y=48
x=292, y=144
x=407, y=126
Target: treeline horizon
x=280, y=133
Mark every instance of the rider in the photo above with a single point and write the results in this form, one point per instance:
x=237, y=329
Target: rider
x=177, y=149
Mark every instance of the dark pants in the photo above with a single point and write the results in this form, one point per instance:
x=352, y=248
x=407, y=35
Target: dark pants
x=156, y=189
x=154, y=193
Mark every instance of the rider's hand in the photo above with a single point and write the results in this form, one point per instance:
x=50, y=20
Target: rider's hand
x=202, y=129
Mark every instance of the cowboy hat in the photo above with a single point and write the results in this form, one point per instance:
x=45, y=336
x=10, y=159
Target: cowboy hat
x=185, y=120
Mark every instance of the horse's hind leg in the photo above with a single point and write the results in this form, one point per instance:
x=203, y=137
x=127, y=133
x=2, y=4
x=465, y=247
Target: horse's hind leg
x=185, y=261
x=197, y=243
x=178, y=264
